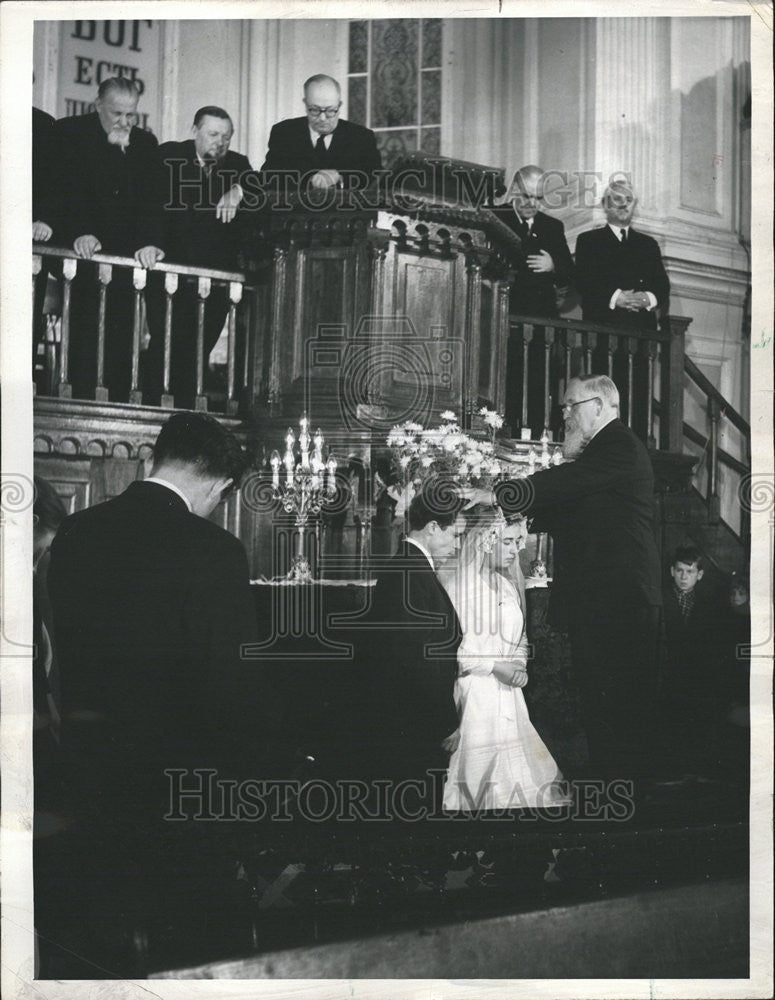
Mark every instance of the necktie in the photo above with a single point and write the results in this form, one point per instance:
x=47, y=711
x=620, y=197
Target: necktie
x=321, y=152
x=624, y=236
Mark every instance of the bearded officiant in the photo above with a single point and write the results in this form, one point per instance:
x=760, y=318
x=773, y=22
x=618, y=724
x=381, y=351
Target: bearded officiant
x=598, y=507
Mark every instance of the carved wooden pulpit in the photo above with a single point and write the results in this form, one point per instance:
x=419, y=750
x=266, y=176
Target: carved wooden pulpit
x=375, y=310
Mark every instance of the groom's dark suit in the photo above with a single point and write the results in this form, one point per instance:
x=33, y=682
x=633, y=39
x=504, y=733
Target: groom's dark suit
x=606, y=589
x=414, y=637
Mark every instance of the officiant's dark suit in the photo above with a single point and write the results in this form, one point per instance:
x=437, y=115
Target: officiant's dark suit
x=413, y=641
x=353, y=152
x=606, y=589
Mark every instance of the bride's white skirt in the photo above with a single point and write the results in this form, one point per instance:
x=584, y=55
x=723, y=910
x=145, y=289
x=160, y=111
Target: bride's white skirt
x=501, y=761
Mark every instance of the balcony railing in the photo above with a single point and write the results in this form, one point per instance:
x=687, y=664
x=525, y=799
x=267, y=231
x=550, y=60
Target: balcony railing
x=646, y=365
x=58, y=381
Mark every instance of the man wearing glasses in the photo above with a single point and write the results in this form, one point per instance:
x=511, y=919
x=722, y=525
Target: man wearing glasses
x=619, y=271
x=320, y=148
x=606, y=591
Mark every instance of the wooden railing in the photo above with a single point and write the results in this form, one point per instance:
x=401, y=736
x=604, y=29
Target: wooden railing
x=645, y=365
x=718, y=409
x=205, y=277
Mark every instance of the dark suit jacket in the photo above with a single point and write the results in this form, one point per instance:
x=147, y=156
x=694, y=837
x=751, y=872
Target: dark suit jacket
x=193, y=234
x=150, y=606
x=599, y=511
x=116, y=196
x=414, y=638
x=534, y=294
x=353, y=152
x=43, y=168
x=603, y=265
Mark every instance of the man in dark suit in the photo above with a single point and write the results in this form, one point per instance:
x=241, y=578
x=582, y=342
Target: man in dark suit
x=545, y=267
x=414, y=635
x=151, y=605
x=204, y=227
x=606, y=590
x=110, y=194
x=619, y=271
x=320, y=148
x=43, y=211
x=547, y=263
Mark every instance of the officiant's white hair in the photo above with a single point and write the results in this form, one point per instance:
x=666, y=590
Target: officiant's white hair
x=600, y=385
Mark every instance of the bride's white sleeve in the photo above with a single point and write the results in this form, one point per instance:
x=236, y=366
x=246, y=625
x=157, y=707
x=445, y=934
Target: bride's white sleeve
x=472, y=659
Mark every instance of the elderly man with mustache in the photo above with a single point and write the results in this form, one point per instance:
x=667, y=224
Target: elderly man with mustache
x=606, y=590
x=110, y=191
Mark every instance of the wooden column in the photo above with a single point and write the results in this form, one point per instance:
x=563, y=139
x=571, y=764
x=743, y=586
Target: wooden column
x=105, y=276
x=671, y=411
x=274, y=382
x=499, y=355
x=203, y=291
x=235, y=295
x=473, y=332
x=139, y=278
x=170, y=287
x=64, y=389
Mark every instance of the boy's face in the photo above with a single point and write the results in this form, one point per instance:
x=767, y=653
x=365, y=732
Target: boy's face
x=685, y=575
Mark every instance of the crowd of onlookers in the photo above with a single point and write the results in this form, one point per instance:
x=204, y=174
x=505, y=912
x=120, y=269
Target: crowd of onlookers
x=101, y=185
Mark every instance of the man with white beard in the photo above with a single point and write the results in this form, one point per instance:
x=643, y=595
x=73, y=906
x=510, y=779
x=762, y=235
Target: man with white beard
x=110, y=191
x=606, y=590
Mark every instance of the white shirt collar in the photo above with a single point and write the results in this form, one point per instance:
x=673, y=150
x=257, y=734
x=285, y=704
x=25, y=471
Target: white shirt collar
x=617, y=231
x=170, y=486
x=425, y=552
x=314, y=136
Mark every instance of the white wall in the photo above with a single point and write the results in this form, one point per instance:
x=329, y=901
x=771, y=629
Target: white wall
x=559, y=92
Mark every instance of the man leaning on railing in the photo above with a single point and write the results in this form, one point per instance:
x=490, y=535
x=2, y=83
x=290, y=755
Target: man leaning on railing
x=109, y=193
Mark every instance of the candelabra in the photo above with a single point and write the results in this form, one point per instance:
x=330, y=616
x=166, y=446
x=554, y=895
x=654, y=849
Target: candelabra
x=305, y=488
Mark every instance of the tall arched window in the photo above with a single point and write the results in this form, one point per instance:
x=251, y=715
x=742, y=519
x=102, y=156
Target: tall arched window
x=394, y=83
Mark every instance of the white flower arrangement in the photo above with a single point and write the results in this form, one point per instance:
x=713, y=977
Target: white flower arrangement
x=443, y=451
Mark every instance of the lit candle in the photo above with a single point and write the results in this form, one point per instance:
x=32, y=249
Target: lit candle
x=557, y=457
x=304, y=441
x=331, y=473
x=275, y=463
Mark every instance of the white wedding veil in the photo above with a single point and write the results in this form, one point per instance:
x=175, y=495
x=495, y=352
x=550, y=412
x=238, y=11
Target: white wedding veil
x=484, y=525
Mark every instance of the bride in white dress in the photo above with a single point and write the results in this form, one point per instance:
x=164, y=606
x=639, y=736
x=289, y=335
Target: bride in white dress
x=500, y=761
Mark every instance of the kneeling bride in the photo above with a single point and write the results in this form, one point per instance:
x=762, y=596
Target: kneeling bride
x=500, y=761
